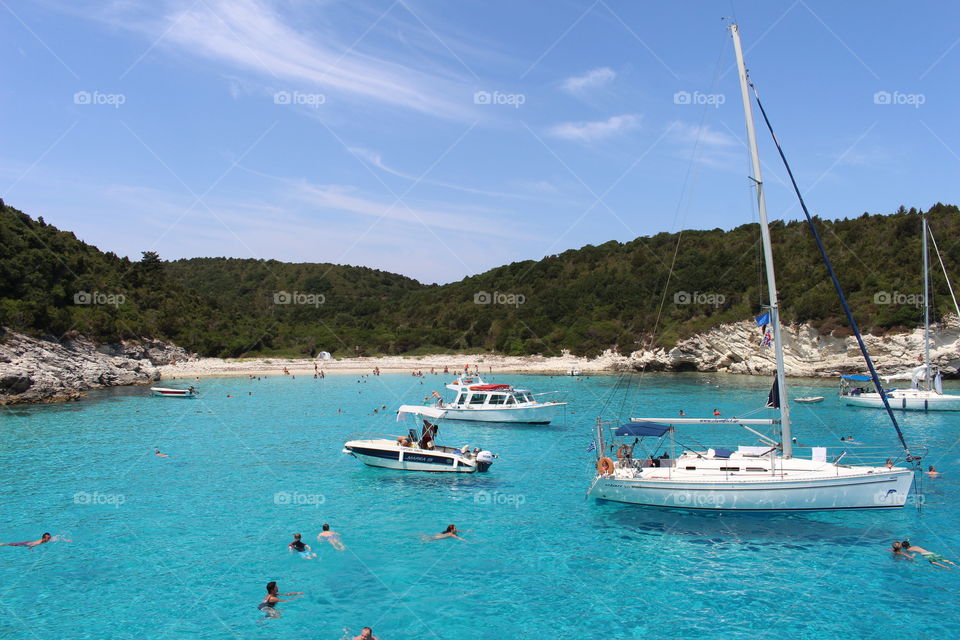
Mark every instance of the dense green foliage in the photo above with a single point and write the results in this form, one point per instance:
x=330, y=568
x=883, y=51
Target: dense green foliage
x=614, y=295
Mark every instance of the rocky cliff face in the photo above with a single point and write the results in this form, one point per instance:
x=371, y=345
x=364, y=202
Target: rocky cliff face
x=34, y=370
x=735, y=348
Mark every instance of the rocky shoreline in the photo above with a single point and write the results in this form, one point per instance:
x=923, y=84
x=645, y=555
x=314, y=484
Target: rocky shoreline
x=36, y=370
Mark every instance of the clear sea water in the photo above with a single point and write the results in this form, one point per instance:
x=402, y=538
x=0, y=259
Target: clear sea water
x=182, y=547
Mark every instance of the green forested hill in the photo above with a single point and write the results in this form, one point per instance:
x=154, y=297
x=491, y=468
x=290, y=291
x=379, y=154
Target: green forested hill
x=587, y=300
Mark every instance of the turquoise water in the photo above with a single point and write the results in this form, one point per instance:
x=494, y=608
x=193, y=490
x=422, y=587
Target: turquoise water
x=182, y=547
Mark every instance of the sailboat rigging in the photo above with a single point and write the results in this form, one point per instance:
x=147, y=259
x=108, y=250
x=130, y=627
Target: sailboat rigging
x=750, y=478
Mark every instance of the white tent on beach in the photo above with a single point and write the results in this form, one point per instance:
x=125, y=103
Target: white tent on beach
x=324, y=355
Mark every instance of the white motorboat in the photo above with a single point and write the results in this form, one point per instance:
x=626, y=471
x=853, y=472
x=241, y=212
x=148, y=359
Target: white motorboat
x=481, y=402
x=926, y=389
x=175, y=393
x=749, y=478
x=809, y=399
x=418, y=450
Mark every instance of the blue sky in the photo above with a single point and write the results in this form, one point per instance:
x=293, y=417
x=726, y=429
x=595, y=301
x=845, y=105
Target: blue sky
x=440, y=139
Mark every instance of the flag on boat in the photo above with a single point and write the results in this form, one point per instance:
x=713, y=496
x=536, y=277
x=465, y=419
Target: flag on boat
x=767, y=340
x=763, y=321
x=773, y=398
x=592, y=447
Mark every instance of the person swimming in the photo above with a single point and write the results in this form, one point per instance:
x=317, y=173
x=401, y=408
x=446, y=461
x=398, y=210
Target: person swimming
x=932, y=472
x=303, y=549
x=30, y=544
x=450, y=532
x=929, y=556
x=268, y=605
x=332, y=537
x=156, y=452
x=365, y=634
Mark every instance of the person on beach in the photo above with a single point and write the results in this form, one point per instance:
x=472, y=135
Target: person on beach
x=30, y=544
x=929, y=556
x=268, y=605
x=156, y=452
x=365, y=634
x=303, y=549
x=332, y=537
x=450, y=532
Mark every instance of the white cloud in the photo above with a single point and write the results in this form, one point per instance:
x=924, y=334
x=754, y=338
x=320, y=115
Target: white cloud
x=596, y=130
x=701, y=134
x=594, y=79
x=254, y=36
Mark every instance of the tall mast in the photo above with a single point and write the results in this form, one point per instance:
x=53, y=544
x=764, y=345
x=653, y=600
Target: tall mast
x=926, y=310
x=767, y=248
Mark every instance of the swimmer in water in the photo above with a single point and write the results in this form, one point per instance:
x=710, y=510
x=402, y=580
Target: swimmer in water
x=365, y=634
x=268, y=605
x=30, y=544
x=303, y=549
x=450, y=532
x=332, y=537
x=929, y=556
x=156, y=452
x=932, y=472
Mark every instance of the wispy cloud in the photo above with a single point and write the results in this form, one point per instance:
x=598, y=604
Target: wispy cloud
x=259, y=38
x=596, y=130
x=591, y=80
x=708, y=146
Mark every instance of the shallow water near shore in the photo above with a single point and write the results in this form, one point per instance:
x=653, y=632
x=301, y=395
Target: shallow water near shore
x=182, y=547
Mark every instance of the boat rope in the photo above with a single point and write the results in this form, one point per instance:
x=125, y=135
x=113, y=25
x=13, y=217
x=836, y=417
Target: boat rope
x=836, y=282
x=940, y=258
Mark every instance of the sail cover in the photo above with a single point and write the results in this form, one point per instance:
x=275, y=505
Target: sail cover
x=641, y=429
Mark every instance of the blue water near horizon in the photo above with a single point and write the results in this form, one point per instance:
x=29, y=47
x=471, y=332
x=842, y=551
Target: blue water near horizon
x=182, y=547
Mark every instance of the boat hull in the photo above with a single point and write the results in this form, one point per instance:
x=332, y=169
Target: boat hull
x=172, y=393
x=918, y=402
x=874, y=491
x=407, y=460
x=542, y=414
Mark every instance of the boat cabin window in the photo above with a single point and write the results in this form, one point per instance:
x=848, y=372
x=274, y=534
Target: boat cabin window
x=691, y=468
x=477, y=398
x=497, y=398
x=755, y=469
x=510, y=400
x=729, y=468
x=523, y=397
x=461, y=398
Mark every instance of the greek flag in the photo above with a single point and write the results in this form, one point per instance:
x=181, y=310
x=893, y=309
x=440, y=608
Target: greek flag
x=592, y=447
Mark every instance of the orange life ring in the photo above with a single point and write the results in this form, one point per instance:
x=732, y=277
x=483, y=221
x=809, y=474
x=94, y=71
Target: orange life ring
x=605, y=466
x=623, y=452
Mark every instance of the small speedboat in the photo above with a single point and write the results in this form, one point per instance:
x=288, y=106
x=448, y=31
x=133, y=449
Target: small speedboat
x=809, y=399
x=418, y=450
x=175, y=393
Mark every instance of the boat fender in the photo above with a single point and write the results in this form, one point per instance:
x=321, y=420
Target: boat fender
x=605, y=466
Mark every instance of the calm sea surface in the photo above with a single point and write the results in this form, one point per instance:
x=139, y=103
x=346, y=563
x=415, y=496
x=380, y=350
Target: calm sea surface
x=182, y=547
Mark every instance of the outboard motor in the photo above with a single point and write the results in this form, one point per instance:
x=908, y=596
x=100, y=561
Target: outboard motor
x=484, y=460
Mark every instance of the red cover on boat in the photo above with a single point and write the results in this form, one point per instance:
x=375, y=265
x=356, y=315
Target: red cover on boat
x=489, y=387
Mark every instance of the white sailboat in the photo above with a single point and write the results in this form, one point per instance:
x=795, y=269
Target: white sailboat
x=926, y=390
x=752, y=478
